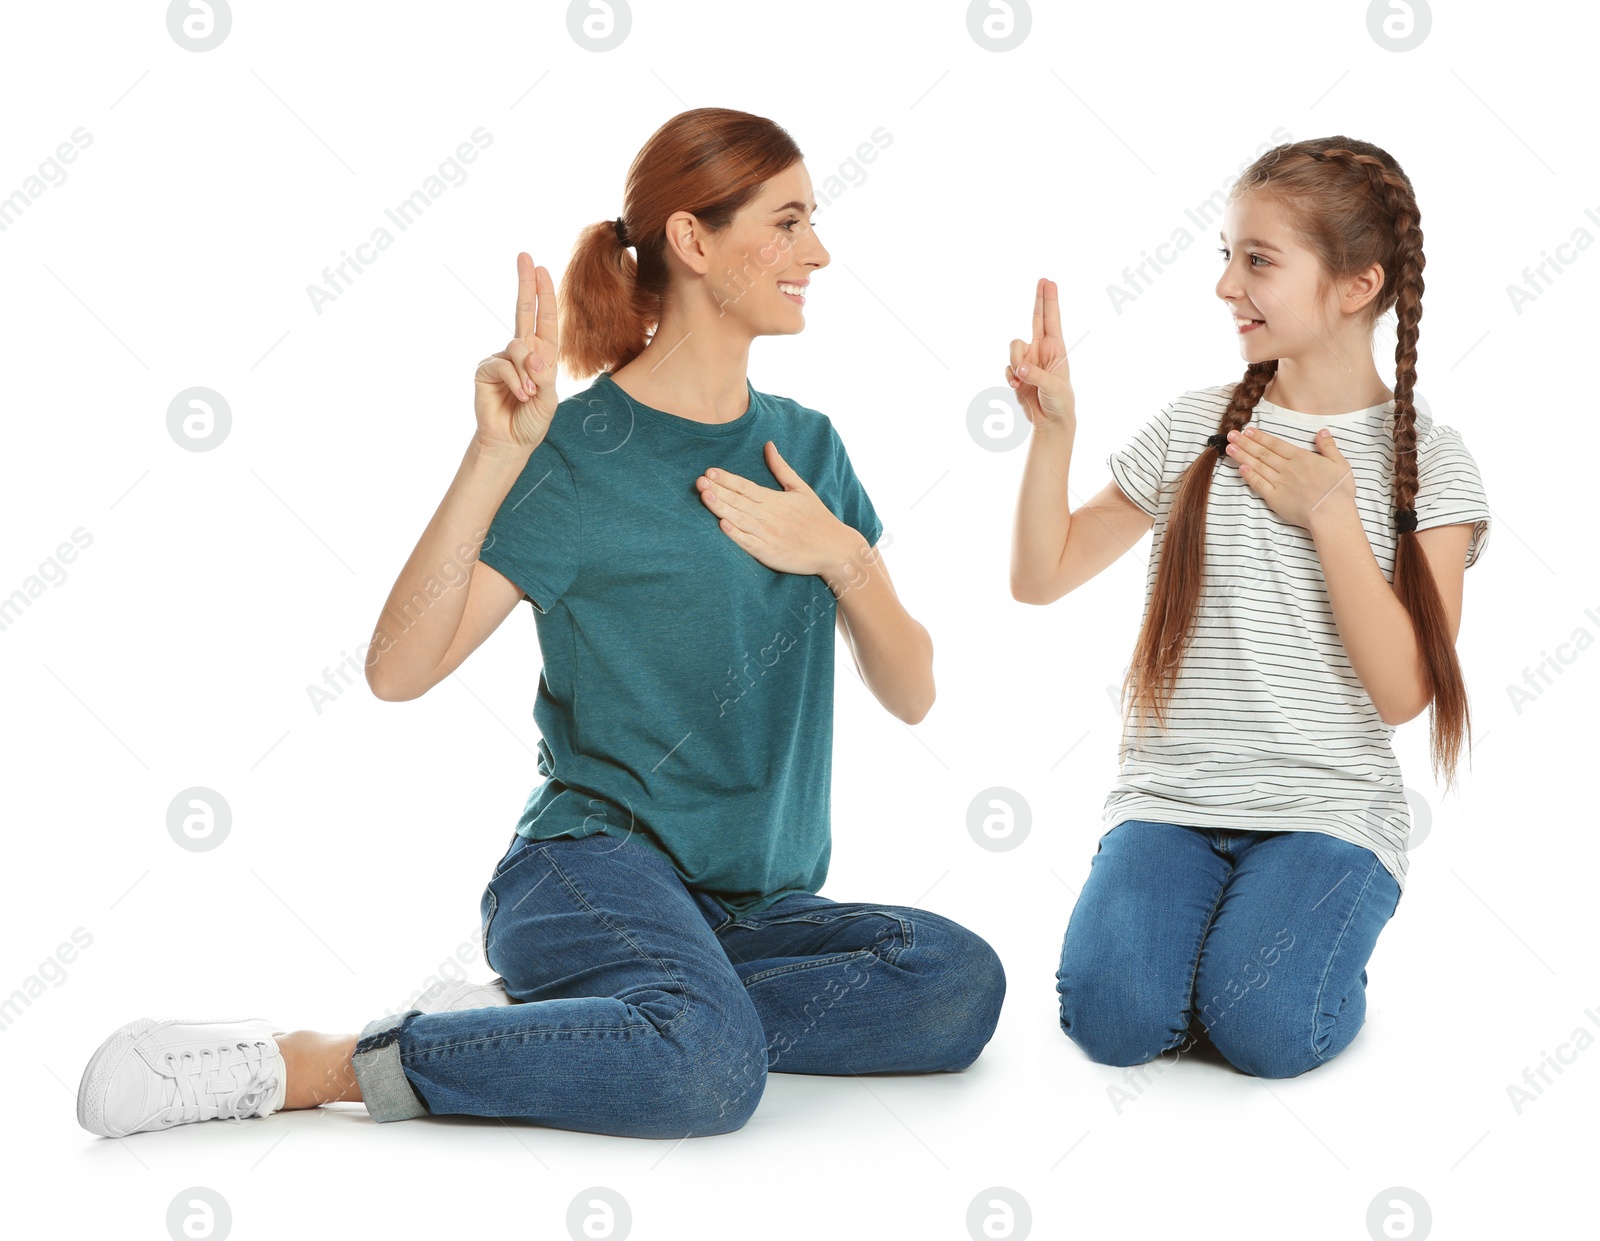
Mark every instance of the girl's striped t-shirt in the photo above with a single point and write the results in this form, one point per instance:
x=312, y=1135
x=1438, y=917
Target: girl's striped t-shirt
x=1269, y=727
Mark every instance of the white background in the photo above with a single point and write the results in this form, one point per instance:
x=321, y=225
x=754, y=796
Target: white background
x=219, y=585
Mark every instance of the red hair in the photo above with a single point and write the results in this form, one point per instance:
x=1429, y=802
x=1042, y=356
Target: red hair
x=708, y=161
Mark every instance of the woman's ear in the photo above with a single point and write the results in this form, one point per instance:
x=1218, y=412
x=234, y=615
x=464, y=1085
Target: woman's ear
x=686, y=240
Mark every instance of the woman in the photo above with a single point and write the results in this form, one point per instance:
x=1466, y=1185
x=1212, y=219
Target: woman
x=688, y=544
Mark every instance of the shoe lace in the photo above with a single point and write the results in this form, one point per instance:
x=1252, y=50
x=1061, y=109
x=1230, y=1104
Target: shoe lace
x=227, y=1082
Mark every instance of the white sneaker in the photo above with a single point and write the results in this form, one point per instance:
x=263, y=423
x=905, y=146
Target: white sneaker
x=154, y=1074
x=452, y=994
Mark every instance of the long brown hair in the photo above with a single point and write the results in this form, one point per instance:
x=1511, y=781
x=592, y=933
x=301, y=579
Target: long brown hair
x=1352, y=206
x=708, y=161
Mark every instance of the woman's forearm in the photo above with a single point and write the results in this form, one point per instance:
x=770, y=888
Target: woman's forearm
x=1039, y=536
x=424, y=609
x=892, y=649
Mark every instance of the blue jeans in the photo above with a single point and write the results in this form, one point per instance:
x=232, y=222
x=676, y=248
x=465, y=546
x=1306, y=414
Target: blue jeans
x=1262, y=936
x=649, y=1011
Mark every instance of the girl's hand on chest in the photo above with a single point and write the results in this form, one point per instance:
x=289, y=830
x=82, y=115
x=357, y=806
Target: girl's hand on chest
x=1296, y=483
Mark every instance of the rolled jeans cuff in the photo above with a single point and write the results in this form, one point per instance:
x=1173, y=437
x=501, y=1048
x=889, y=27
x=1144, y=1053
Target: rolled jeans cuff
x=385, y=1089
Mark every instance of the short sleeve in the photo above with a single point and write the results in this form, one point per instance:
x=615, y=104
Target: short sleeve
x=1139, y=465
x=854, y=505
x=533, y=539
x=1449, y=490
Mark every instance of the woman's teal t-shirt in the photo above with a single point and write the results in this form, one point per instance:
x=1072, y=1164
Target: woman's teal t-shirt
x=686, y=693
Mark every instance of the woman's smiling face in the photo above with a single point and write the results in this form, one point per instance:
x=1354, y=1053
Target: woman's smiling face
x=761, y=264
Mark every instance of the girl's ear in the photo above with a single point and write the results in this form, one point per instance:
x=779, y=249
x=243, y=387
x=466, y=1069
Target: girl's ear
x=1362, y=288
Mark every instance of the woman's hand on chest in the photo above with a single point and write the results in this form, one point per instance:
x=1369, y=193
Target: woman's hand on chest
x=789, y=529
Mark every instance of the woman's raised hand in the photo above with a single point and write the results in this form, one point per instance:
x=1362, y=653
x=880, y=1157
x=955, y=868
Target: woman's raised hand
x=1037, y=372
x=515, y=389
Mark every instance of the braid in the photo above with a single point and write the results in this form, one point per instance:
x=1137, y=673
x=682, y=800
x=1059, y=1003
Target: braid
x=1246, y=396
x=1164, y=637
x=1406, y=281
x=1413, y=577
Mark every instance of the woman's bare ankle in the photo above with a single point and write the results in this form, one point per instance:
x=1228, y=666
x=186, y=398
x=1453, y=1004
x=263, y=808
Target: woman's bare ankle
x=317, y=1069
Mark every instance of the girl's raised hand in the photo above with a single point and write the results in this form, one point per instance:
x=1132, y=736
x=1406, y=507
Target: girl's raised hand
x=515, y=390
x=1038, y=372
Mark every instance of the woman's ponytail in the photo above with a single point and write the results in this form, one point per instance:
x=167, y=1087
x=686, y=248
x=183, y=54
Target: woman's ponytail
x=605, y=317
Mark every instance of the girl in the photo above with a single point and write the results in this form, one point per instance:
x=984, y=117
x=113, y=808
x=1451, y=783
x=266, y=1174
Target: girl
x=1303, y=598
x=687, y=545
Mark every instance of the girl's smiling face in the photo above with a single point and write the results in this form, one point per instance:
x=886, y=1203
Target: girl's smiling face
x=1284, y=305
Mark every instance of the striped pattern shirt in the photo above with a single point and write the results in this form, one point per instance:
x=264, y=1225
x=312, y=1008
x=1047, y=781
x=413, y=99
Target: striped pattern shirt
x=1269, y=728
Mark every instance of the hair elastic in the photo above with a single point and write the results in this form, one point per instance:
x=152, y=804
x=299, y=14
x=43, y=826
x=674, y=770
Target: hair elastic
x=1405, y=519
x=621, y=230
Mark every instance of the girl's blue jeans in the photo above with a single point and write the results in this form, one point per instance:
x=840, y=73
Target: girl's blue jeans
x=1262, y=938
x=649, y=1011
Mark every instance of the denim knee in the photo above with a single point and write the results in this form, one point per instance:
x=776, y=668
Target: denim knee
x=966, y=998
x=1114, y=1024
x=724, y=1088
x=725, y=1083
x=1278, y=1045
x=698, y=1099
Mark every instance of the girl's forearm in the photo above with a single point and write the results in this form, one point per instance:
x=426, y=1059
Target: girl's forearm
x=1039, y=536
x=1373, y=624
x=424, y=609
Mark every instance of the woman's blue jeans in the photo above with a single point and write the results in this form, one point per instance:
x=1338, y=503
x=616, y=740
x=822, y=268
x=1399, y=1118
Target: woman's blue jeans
x=1261, y=937
x=649, y=1011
